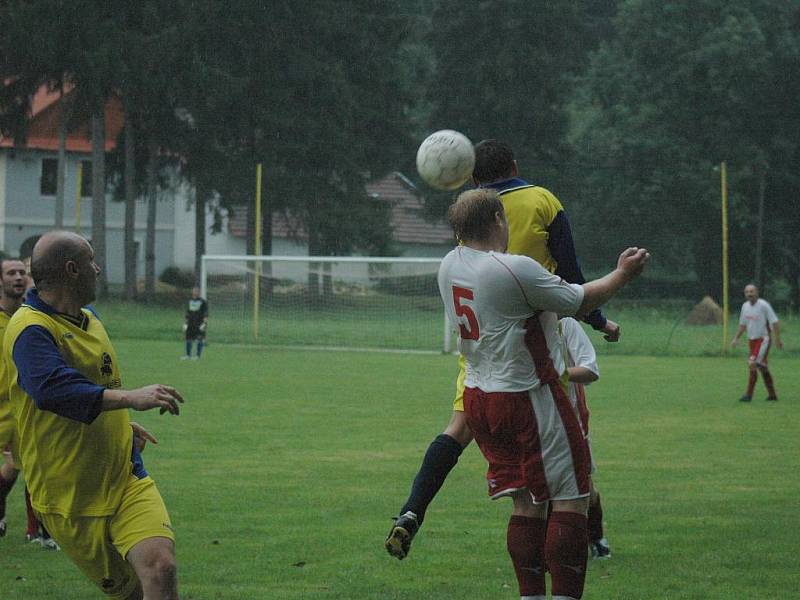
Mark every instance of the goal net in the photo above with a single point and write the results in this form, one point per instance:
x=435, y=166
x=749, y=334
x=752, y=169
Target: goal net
x=326, y=302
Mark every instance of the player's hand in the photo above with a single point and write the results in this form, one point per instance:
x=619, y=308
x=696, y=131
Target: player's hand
x=611, y=331
x=632, y=261
x=185, y=327
x=779, y=344
x=141, y=436
x=734, y=342
x=163, y=397
x=203, y=326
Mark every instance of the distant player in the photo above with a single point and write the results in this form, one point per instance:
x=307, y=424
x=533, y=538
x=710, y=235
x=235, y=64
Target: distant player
x=80, y=453
x=762, y=325
x=195, y=323
x=13, y=281
x=538, y=228
x=582, y=370
x=515, y=398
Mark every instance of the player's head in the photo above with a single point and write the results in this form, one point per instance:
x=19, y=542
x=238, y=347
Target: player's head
x=477, y=216
x=751, y=292
x=27, y=262
x=494, y=161
x=63, y=261
x=13, y=278
x=195, y=292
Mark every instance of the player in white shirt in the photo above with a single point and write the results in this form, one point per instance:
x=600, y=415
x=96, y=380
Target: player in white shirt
x=582, y=370
x=516, y=403
x=761, y=323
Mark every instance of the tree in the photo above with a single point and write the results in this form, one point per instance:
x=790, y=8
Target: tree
x=678, y=89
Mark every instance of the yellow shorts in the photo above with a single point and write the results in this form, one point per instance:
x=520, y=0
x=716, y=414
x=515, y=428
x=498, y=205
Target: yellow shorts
x=99, y=545
x=458, y=403
x=7, y=428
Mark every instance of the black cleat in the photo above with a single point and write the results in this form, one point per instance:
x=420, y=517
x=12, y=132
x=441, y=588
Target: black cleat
x=772, y=398
x=745, y=398
x=398, y=542
x=600, y=548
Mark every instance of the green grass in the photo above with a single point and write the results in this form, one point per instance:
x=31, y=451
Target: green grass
x=416, y=323
x=284, y=467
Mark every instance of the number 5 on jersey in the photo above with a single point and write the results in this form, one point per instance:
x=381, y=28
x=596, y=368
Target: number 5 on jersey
x=470, y=331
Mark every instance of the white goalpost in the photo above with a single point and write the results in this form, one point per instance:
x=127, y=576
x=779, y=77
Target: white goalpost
x=326, y=302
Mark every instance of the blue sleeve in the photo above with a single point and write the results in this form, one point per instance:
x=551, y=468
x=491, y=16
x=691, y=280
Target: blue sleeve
x=562, y=249
x=54, y=385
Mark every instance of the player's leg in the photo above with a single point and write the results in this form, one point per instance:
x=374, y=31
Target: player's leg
x=8, y=475
x=141, y=532
x=440, y=458
x=566, y=547
x=597, y=539
x=33, y=533
x=201, y=342
x=525, y=540
x=761, y=364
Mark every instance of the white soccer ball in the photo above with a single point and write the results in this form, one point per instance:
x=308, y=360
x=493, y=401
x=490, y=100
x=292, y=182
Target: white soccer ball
x=445, y=159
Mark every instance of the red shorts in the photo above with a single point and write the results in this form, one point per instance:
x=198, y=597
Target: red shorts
x=759, y=349
x=532, y=441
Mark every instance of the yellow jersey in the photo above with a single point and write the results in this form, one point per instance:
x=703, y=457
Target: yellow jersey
x=76, y=458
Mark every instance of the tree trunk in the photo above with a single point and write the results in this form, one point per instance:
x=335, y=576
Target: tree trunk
x=130, y=210
x=200, y=198
x=99, y=197
x=150, y=239
x=62, y=162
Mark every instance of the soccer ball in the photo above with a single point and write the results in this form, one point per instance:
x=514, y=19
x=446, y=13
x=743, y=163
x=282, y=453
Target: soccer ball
x=445, y=159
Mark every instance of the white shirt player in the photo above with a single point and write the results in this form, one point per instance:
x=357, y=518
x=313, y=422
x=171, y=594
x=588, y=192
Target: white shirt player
x=758, y=317
x=488, y=296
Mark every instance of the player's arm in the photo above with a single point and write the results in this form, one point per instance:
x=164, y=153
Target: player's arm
x=775, y=328
x=629, y=266
x=739, y=333
x=562, y=248
x=581, y=375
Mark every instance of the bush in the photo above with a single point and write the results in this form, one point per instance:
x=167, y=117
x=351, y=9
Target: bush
x=177, y=277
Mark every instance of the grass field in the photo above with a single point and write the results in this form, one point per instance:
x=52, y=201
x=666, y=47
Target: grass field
x=285, y=466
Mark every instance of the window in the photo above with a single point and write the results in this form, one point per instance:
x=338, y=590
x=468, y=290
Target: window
x=48, y=180
x=86, y=179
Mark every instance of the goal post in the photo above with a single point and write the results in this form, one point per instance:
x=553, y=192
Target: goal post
x=341, y=302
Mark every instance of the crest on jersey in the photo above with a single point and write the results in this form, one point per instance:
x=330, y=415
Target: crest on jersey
x=106, y=367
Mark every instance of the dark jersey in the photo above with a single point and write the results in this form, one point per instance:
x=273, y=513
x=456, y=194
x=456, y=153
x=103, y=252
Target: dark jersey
x=196, y=312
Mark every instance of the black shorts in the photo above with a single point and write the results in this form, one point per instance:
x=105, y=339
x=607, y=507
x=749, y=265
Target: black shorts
x=193, y=333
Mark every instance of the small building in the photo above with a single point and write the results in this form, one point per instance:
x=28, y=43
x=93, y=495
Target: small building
x=28, y=175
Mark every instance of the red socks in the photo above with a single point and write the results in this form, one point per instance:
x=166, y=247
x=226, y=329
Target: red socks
x=33, y=522
x=525, y=542
x=566, y=553
x=595, y=521
x=751, y=383
x=768, y=382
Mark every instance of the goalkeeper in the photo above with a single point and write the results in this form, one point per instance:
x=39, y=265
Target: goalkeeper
x=539, y=229
x=195, y=324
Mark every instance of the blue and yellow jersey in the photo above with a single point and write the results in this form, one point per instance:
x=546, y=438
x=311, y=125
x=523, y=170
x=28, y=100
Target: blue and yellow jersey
x=6, y=418
x=76, y=458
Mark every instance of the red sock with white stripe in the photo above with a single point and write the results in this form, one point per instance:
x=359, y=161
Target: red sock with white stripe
x=751, y=383
x=566, y=553
x=768, y=382
x=525, y=543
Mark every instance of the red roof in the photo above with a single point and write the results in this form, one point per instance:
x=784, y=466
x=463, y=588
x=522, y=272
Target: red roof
x=407, y=220
x=46, y=110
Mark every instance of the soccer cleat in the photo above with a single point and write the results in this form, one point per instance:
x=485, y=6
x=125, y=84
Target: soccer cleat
x=49, y=543
x=3, y=527
x=185, y=357
x=398, y=542
x=600, y=548
x=745, y=398
x=772, y=398
x=33, y=538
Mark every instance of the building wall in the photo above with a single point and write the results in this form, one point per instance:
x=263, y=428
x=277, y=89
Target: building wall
x=26, y=212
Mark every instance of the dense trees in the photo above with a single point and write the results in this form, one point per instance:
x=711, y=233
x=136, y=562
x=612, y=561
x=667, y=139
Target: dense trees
x=623, y=107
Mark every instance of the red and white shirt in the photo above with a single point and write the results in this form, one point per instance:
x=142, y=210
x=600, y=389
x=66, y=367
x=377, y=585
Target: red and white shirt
x=758, y=318
x=488, y=297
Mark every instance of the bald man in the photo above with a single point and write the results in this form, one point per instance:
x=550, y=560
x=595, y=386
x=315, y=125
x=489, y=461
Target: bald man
x=762, y=325
x=80, y=453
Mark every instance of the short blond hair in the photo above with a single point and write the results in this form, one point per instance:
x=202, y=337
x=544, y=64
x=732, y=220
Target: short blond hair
x=472, y=215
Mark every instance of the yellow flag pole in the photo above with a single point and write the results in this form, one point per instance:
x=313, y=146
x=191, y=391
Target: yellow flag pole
x=257, y=290
x=725, y=307
x=78, y=197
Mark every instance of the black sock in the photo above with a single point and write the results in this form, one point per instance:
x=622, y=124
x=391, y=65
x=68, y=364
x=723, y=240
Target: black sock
x=441, y=457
